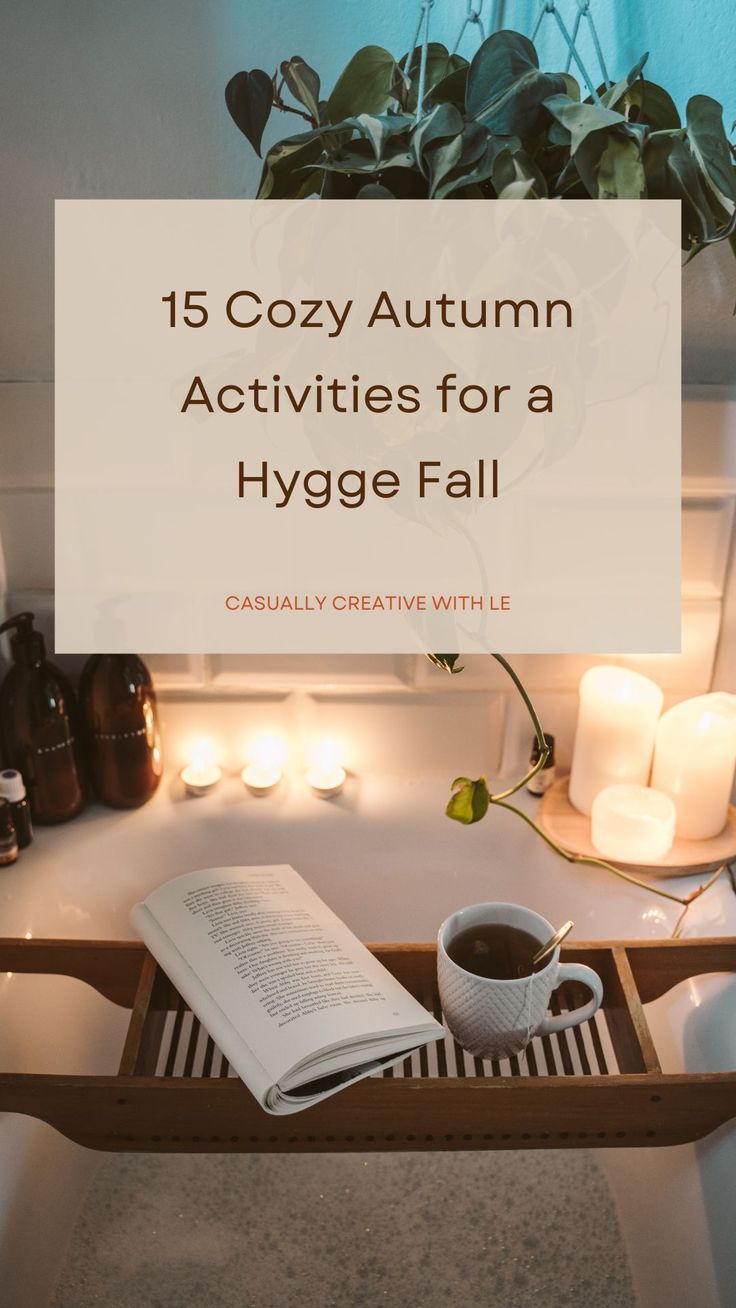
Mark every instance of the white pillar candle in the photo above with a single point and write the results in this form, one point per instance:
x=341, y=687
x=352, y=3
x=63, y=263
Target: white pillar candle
x=614, y=739
x=694, y=761
x=632, y=824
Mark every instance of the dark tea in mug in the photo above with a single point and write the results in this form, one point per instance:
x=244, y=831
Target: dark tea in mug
x=496, y=951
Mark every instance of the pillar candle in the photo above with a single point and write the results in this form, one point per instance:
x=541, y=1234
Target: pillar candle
x=614, y=738
x=694, y=761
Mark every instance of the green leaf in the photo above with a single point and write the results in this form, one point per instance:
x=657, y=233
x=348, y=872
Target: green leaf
x=283, y=176
x=303, y=82
x=442, y=123
x=709, y=144
x=437, y=143
x=468, y=173
x=377, y=129
x=684, y=183
x=611, y=97
x=470, y=801
x=521, y=190
x=249, y=97
x=621, y=173
x=445, y=662
x=373, y=191
x=645, y=102
x=361, y=159
x=440, y=65
x=656, y=152
x=506, y=91
x=451, y=90
x=364, y=86
x=601, y=138
x=515, y=176
x=572, y=87
x=581, y=119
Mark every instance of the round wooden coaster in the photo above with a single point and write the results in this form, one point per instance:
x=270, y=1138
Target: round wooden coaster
x=563, y=823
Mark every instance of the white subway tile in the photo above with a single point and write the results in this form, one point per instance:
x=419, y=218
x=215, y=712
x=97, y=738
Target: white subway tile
x=310, y=671
x=26, y=435
x=27, y=535
x=707, y=529
x=177, y=671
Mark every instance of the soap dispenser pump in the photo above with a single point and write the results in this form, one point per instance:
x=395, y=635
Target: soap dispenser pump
x=39, y=726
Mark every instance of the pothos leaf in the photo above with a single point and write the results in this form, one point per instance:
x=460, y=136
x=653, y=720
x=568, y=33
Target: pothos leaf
x=303, y=82
x=506, y=89
x=621, y=173
x=470, y=801
x=581, y=119
x=709, y=144
x=283, y=176
x=378, y=129
x=439, y=66
x=451, y=90
x=645, y=102
x=364, y=86
x=611, y=97
x=445, y=662
x=374, y=191
x=249, y=97
x=684, y=182
x=521, y=190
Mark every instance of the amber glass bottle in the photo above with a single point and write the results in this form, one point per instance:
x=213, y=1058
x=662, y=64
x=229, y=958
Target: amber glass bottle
x=39, y=726
x=120, y=720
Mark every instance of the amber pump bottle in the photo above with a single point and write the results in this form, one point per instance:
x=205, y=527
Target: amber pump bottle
x=120, y=718
x=39, y=726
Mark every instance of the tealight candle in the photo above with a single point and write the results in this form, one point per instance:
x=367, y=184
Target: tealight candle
x=264, y=768
x=201, y=774
x=632, y=824
x=614, y=738
x=326, y=776
x=694, y=761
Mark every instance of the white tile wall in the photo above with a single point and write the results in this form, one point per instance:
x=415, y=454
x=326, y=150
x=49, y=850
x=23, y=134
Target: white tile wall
x=27, y=527
x=707, y=528
x=310, y=672
x=709, y=594
x=27, y=433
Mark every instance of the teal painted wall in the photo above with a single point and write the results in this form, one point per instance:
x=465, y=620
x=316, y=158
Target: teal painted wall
x=692, y=43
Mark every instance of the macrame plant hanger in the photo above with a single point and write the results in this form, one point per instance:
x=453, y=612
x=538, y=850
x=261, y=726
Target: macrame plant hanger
x=475, y=16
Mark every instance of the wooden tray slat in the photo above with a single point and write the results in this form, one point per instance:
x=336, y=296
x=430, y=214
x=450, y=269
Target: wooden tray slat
x=597, y=1085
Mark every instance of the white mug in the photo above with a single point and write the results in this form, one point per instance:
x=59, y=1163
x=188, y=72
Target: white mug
x=495, y=1019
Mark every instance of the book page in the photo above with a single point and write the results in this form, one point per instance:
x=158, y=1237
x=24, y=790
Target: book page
x=288, y=974
x=189, y=985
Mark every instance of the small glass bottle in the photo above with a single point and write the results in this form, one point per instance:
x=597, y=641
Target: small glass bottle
x=39, y=726
x=8, y=838
x=120, y=715
x=13, y=789
x=542, y=780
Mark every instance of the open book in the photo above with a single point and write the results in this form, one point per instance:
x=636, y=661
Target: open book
x=298, y=1006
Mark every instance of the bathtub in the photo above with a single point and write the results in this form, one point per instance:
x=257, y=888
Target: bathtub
x=385, y=858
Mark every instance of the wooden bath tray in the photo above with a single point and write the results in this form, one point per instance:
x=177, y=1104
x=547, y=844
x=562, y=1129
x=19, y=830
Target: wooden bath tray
x=596, y=1086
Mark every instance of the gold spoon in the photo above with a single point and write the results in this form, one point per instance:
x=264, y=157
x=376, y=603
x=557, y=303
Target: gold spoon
x=552, y=943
